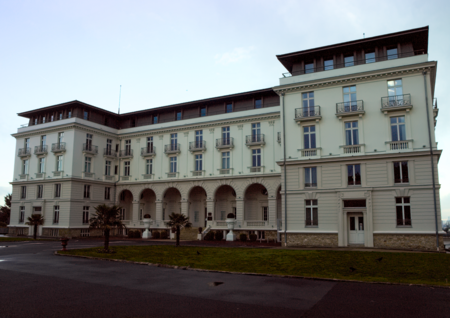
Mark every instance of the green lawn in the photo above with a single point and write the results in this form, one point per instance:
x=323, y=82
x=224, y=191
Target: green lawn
x=410, y=268
x=18, y=239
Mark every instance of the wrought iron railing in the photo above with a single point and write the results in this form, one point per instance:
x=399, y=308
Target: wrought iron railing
x=396, y=101
x=125, y=153
x=23, y=152
x=254, y=139
x=59, y=147
x=108, y=152
x=305, y=112
x=350, y=107
x=148, y=151
x=172, y=148
x=197, y=145
x=90, y=148
x=225, y=143
x=40, y=149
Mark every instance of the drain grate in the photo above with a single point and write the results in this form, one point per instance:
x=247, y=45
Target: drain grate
x=214, y=284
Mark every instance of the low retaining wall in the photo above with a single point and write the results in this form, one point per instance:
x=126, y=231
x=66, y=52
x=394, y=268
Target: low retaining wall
x=306, y=239
x=422, y=242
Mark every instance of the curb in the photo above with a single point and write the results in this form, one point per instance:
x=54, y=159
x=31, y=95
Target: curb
x=249, y=274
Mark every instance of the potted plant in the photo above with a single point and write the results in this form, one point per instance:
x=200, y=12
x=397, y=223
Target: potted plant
x=147, y=221
x=231, y=222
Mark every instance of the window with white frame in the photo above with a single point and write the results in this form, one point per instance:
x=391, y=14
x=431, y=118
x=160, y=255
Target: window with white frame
x=311, y=177
x=85, y=214
x=309, y=68
x=199, y=162
x=41, y=165
x=173, y=141
x=308, y=104
x=226, y=160
x=89, y=142
x=149, y=166
x=60, y=137
x=57, y=190
x=256, y=132
x=59, y=163
x=25, y=166
x=226, y=135
x=40, y=191
x=126, y=168
x=398, y=130
x=43, y=119
x=256, y=157
x=354, y=174
x=370, y=57
x=173, y=164
x=311, y=213
x=43, y=140
x=22, y=214
x=69, y=114
x=87, y=191
x=328, y=65
x=351, y=133
x=56, y=214
x=401, y=172
x=403, y=209
x=107, y=168
x=109, y=147
x=107, y=193
x=122, y=214
x=198, y=138
x=23, y=192
x=350, y=103
x=395, y=92
x=127, y=147
x=87, y=164
x=265, y=213
x=27, y=143
x=149, y=144
x=309, y=137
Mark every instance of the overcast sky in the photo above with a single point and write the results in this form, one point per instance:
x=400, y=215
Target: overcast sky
x=166, y=52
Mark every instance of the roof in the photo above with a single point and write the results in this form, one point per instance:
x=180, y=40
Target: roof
x=29, y=113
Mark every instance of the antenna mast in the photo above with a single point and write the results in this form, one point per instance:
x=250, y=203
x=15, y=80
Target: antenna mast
x=120, y=93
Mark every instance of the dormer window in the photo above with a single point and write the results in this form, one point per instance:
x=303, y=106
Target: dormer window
x=309, y=68
x=155, y=119
x=258, y=103
x=86, y=115
x=202, y=111
x=179, y=115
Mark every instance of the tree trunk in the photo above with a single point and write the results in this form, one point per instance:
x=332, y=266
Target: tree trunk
x=106, y=239
x=35, y=231
x=178, y=236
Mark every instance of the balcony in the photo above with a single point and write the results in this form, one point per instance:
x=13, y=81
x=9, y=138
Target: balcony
x=109, y=153
x=402, y=145
x=353, y=149
x=310, y=152
x=88, y=175
x=148, y=176
x=307, y=114
x=40, y=150
x=255, y=140
x=226, y=171
x=198, y=173
x=224, y=143
x=350, y=108
x=148, y=151
x=195, y=146
x=397, y=102
x=127, y=153
x=109, y=178
x=24, y=152
x=40, y=175
x=172, y=174
x=59, y=147
x=172, y=148
x=125, y=178
x=23, y=177
x=90, y=149
x=58, y=173
x=256, y=169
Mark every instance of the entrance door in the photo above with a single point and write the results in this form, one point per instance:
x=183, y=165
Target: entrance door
x=356, y=230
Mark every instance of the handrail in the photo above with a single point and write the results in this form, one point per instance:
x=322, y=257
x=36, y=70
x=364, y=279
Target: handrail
x=349, y=107
x=396, y=101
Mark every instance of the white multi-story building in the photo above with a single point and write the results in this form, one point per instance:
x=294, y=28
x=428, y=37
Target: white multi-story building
x=340, y=153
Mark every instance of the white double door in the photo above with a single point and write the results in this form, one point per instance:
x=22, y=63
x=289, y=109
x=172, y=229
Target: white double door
x=356, y=229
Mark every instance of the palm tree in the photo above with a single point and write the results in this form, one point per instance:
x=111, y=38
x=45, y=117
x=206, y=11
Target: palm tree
x=35, y=220
x=106, y=217
x=177, y=222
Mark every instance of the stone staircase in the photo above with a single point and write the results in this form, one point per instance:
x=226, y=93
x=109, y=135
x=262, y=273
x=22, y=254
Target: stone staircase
x=189, y=234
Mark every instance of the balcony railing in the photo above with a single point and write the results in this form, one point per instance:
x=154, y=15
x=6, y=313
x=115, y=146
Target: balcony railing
x=172, y=174
x=197, y=146
x=40, y=175
x=87, y=174
x=40, y=150
x=351, y=149
x=125, y=178
x=255, y=140
x=396, y=102
x=148, y=151
x=58, y=173
x=147, y=176
x=225, y=143
x=88, y=148
x=399, y=145
x=127, y=153
x=310, y=152
x=198, y=173
x=110, y=153
x=350, y=108
x=307, y=113
x=225, y=171
x=257, y=169
x=255, y=223
x=59, y=147
x=172, y=148
x=24, y=152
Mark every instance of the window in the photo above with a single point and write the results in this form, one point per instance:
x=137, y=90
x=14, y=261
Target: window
x=354, y=174
x=179, y=115
x=226, y=136
x=85, y=215
x=256, y=132
x=22, y=214
x=309, y=68
x=173, y=141
x=403, y=209
x=258, y=103
x=133, y=122
x=127, y=147
x=23, y=192
x=43, y=140
x=116, y=170
x=87, y=164
x=149, y=166
x=27, y=143
x=56, y=214
x=265, y=214
x=395, y=92
x=202, y=111
x=60, y=137
x=401, y=172
x=40, y=191
x=309, y=137
x=122, y=214
x=43, y=120
x=155, y=119
x=308, y=104
x=25, y=166
x=87, y=191
x=349, y=61
x=370, y=57
x=51, y=118
x=198, y=162
x=229, y=108
x=59, y=163
x=198, y=138
x=173, y=164
x=226, y=160
x=57, y=190
x=311, y=213
x=108, y=147
x=328, y=65
x=69, y=114
x=85, y=115
x=196, y=216
x=311, y=177
x=126, y=169
x=392, y=54
x=107, y=193
x=89, y=142
x=141, y=213
x=35, y=121
x=149, y=144
x=350, y=103
x=41, y=167
x=60, y=116
x=107, y=168
x=351, y=133
x=256, y=157
x=398, y=128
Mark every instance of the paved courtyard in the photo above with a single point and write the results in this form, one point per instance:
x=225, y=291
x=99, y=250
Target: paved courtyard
x=36, y=283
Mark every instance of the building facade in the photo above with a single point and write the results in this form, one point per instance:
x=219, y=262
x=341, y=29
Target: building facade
x=337, y=154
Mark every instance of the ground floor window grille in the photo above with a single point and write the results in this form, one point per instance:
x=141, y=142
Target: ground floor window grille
x=54, y=232
x=311, y=213
x=84, y=232
x=403, y=209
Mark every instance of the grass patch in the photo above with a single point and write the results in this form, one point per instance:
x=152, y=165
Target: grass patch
x=409, y=268
x=19, y=239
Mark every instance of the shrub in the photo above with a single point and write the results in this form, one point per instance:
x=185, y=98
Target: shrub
x=230, y=216
x=137, y=234
x=218, y=236
x=156, y=235
x=164, y=235
x=253, y=237
x=243, y=237
x=147, y=216
x=209, y=236
x=130, y=234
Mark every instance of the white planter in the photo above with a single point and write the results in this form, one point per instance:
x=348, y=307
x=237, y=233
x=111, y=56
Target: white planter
x=231, y=223
x=147, y=234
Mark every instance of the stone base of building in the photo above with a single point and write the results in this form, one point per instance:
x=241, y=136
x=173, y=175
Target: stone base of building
x=422, y=242
x=18, y=231
x=314, y=240
x=270, y=236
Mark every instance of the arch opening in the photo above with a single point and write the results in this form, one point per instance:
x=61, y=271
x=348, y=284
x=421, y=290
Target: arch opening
x=256, y=203
x=126, y=204
x=171, y=203
x=225, y=202
x=197, y=207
